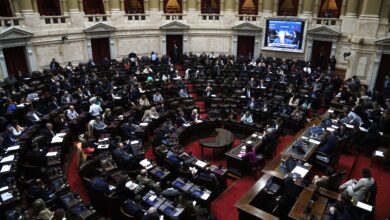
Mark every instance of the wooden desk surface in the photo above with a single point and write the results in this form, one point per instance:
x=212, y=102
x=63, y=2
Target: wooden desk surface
x=318, y=207
x=243, y=204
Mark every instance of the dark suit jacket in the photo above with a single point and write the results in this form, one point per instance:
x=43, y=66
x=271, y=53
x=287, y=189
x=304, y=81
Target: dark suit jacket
x=133, y=209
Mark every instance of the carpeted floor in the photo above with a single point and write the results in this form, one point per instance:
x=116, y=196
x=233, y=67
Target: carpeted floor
x=223, y=205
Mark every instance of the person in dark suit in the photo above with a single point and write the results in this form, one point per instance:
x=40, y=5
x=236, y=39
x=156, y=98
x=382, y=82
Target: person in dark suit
x=100, y=185
x=33, y=116
x=133, y=208
x=124, y=157
x=54, y=65
x=91, y=63
x=38, y=190
x=288, y=198
x=48, y=131
x=53, y=104
x=330, y=144
x=170, y=192
x=181, y=119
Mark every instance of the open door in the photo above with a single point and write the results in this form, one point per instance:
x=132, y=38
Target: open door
x=15, y=59
x=100, y=49
x=320, y=55
x=383, y=71
x=245, y=45
x=175, y=47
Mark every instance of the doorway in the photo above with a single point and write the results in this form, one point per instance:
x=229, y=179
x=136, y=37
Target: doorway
x=320, y=55
x=245, y=46
x=382, y=72
x=15, y=59
x=100, y=49
x=172, y=51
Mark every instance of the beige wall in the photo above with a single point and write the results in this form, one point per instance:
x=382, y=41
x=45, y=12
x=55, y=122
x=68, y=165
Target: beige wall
x=358, y=33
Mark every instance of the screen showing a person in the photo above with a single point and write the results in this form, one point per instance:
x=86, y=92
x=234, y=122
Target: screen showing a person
x=284, y=34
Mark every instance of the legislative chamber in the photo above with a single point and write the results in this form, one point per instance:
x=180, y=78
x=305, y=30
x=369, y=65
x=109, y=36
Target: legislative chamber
x=194, y=109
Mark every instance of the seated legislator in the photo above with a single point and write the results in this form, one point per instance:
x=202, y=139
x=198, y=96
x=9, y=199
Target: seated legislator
x=39, y=210
x=247, y=118
x=252, y=104
x=133, y=208
x=123, y=157
x=181, y=119
x=183, y=93
x=250, y=155
x=323, y=181
x=66, y=98
x=342, y=209
x=101, y=186
x=170, y=192
x=145, y=180
x=71, y=113
x=33, y=116
x=16, y=128
x=358, y=189
x=48, y=131
x=288, y=198
x=330, y=144
x=98, y=124
x=194, y=115
x=38, y=189
x=143, y=102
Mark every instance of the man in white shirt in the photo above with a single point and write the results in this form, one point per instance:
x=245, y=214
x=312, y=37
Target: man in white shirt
x=95, y=109
x=71, y=113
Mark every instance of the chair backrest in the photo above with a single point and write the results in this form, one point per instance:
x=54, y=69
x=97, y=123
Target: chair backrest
x=371, y=196
x=125, y=216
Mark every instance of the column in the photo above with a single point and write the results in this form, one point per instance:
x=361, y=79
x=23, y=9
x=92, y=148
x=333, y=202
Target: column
x=35, y=5
x=26, y=6
x=115, y=5
x=15, y=7
x=371, y=8
x=268, y=6
x=73, y=6
x=334, y=47
x=374, y=76
x=185, y=42
x=307, y=7
x=64, y=8
x=352, y=8
x=3, y=66
x=309, y=48
x=259, y=6
x=192, y=5
x=32, y=64
x=229, y=5
x=154, y=5
x=81, y=5
x=106, y=7
x=112, y=46
x=89, y=48
x=385, y=9
x=122, y=5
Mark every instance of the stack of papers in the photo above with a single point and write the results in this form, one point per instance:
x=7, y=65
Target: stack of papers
x=4, y=188
x=5, y=168
x=12, y=148
x=134, y=142
x=143, y=124
x=186, y=124
x=330, y=110
x=51, y=154
x=330, y=129
x=56, y=139
x=348, y=125
x=249, y=142
x=152, y=198
x=131, y=185
x=146, y=163
x=314, y=141
x=300, y=171
x=7, y=159
x=364, y=206
x=201, y=164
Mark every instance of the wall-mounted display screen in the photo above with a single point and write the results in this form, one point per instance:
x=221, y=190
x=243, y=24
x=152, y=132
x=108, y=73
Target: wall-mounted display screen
x=284, y=34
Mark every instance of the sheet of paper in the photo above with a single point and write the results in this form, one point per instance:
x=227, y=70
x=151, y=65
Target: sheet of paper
x=6, y=196
x=134, y=142
x=249, y=142
x=364, y=206
x=152, y=197
x=104, y=139
x=379, y=153
x=348, y=125
x=334, y=126
x=12, y=148
x=51, y=154
x=143, y=124
x=330, y=129
x=304, y=137
x=186, y=125
x=205, y=196
x=254, y=135
x=4, y=188
x=198, y=121
x=56, y=139
x=5, y=168
x=200, y=163
x=314, y=141
x=330, y=110
x=103, y=146
x=7, y=159
x=363, y=129
x=300, y=170
x=145, y=163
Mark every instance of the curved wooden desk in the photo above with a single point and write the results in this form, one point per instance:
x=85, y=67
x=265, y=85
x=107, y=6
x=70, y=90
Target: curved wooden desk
x=223, y=140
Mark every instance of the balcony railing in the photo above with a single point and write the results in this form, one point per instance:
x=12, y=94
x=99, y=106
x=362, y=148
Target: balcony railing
x=55, y=19
x=327, y=21
x=210, y=17
x=136, y=17
x=11, y=21
x=96, y=18
x=173, y=17
x=241, y=17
